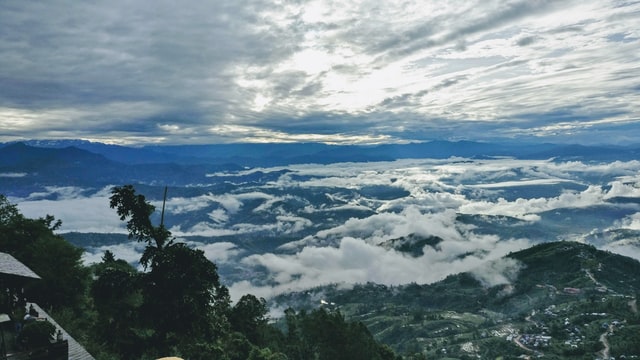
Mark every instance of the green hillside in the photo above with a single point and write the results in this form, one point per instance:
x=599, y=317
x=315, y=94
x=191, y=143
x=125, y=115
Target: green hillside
x=569, y=300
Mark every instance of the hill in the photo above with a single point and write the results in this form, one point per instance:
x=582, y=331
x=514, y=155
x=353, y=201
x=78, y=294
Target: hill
x=29, y=169
x=567, y=300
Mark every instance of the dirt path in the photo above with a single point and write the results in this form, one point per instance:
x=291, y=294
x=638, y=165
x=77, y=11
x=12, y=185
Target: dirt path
x=522, y=346
x=605, y=342
x=590, y=275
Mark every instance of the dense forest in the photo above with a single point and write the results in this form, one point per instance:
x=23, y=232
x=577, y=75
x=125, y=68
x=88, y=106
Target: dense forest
x=177, y=306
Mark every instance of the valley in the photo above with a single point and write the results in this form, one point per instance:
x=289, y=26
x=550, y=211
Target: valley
x=443, y=257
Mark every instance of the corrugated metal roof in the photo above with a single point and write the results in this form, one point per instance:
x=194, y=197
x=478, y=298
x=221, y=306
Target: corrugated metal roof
x=10, y=265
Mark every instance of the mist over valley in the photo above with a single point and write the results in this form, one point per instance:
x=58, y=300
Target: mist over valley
x=292, y=226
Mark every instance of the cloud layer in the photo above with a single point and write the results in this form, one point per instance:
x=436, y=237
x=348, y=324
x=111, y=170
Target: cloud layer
x=319, y=70
x=321, y=224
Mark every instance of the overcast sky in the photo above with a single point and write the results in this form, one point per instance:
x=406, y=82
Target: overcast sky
x=331, y=71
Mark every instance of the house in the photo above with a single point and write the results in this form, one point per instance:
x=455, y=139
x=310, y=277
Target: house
x=14, y=314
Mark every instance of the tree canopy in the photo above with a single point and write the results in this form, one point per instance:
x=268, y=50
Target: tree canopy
x=34, y=243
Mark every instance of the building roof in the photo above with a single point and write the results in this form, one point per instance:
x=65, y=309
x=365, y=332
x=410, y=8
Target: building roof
x=76, y=351
x=11, y=266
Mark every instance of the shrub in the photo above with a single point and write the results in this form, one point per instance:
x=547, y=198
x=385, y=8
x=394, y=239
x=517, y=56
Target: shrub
x=36, y=334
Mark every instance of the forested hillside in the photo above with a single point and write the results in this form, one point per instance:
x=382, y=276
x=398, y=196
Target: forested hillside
x=567, y=300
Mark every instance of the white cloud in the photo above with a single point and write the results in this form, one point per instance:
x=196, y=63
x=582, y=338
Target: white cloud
x=523, y=208
x=129, y=251
x=631, y=222
x=620, y=189
x=12, y=175
x=220, y=252
x=623, y=249
x=332, y=248
x=78, y=212
x=503, y=271
x=358, y=261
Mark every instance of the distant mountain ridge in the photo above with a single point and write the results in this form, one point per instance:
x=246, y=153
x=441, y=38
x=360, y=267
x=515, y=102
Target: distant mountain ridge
x=29, y=166
x=24, y=157
x=279, y=154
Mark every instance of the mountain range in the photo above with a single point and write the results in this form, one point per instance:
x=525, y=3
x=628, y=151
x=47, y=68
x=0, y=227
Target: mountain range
x=84, y=163
x=277, y=154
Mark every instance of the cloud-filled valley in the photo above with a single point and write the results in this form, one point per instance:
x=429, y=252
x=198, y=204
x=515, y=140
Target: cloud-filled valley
x=394, y=222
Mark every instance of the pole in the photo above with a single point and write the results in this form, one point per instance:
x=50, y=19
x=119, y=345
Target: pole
x=164, y=201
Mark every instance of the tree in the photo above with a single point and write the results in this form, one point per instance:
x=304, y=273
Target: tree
x=184, y=303
x=137, y=211
x=323, y=334
x=56, y=261
x=248, y=316
x=117, y=298
x=180, y=292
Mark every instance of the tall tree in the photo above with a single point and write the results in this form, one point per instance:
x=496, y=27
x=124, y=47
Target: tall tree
x=135, y=209
x=183, y=300
x=249, y=317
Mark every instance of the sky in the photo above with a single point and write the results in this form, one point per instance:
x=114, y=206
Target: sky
x=340, y=72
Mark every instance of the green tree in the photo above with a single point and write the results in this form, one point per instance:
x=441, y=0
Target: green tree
x=184, y=304
x=323, y=334
x=135, y=209
x=183, y=294
x=117, y=299
x=249, y=317
x=34, y=243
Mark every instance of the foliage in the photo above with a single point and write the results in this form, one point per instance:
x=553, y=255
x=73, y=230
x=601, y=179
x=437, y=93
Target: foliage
x=117, y=300
x=183, y=295
x=57, y=262
x=323, y=334
x=248, y=317
x=625, y=341
x=137, y=211
x=36, y=334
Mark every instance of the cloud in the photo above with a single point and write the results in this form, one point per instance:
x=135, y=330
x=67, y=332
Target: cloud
x=525, y=208
x=129, y=251
x=358, y=261
x=12, y=175
x=220, y=252
x=503, y=271
x=379, y=228
x=254, y=70
x=631, y=222
x=438, y=192
x=70, y=204
x=628, y=250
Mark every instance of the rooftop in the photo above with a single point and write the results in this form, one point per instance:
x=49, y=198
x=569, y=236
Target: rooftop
x=11, y=266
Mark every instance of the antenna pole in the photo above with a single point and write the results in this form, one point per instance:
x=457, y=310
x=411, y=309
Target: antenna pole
x=164, y=201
